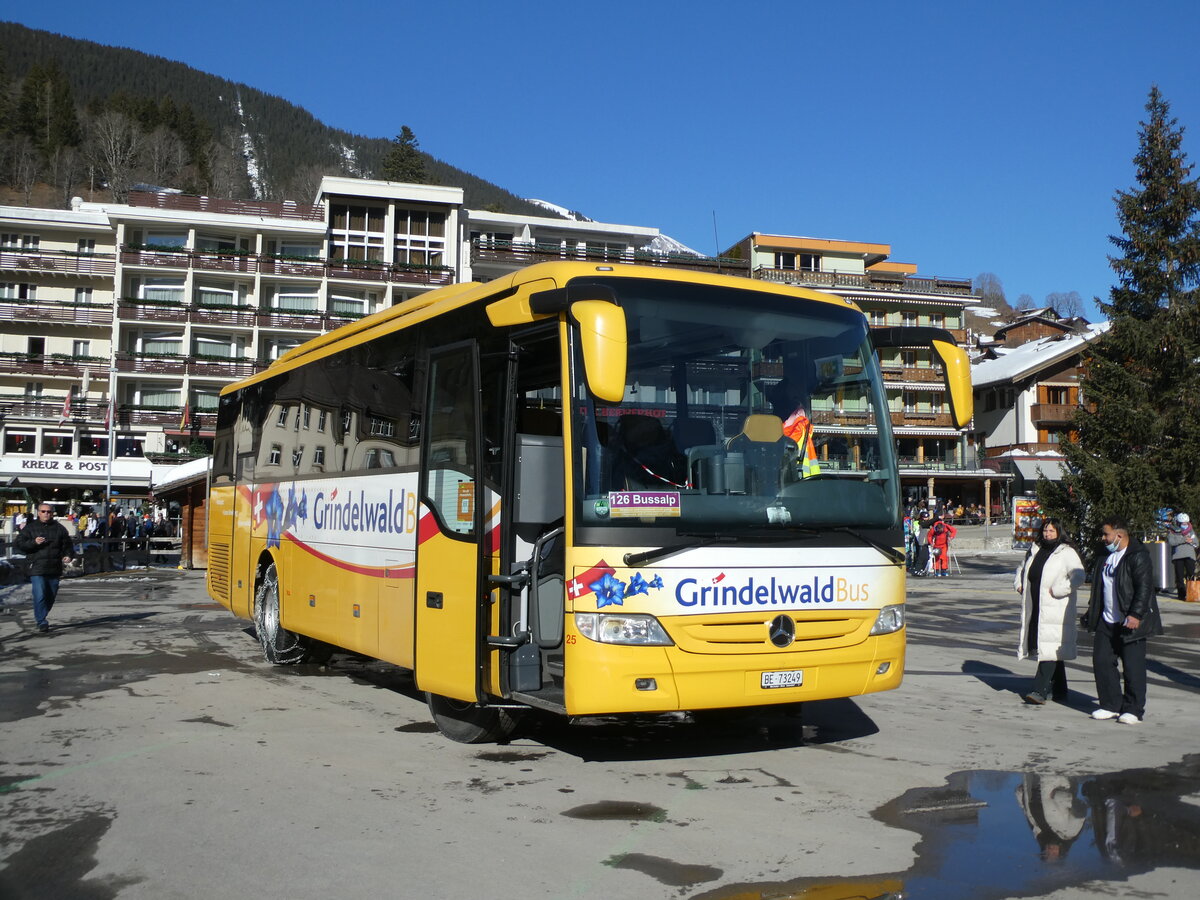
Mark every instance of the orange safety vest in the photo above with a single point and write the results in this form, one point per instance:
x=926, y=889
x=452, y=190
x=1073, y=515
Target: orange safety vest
x=800, y=429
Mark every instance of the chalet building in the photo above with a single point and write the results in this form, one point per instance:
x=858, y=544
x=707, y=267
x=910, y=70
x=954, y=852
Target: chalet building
x=935, y=460
x=1026, y=396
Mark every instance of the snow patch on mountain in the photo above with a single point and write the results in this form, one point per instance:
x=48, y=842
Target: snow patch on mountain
x=665, y=244
x=559, y=210
x=253, y=171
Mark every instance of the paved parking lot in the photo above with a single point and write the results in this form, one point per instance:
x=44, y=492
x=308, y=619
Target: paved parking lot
x=147, y=751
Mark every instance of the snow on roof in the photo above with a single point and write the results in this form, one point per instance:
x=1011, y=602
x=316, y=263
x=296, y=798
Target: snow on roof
x=1017, y=362
x=165, y=476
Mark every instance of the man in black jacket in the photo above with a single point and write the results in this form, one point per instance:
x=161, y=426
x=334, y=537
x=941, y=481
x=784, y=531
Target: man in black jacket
x=47, y=547
x=1122, y=613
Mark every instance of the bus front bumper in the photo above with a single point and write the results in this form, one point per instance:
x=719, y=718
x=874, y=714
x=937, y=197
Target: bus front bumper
x=609, y=679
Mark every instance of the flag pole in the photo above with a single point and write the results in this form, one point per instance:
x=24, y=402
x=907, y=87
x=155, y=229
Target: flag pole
x=112, y=422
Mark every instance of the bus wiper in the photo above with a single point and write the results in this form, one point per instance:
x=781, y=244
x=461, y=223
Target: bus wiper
x=890, y=552
x=647, y=556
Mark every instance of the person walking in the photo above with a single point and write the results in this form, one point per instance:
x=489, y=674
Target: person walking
x=1122, y=613
x=940, y=535
x=1047, y=582
x=47, y=547
x=1181, y=538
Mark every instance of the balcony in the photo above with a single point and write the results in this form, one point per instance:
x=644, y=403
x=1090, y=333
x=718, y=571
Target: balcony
x=923, y=420
x=286, y=209
x=171, y=258
x=133, y=309
x=249, y=264
x=167, y=417
x=369, y=270
x=523, y=253
x=58, y=262
x=867, y=281
x=151, y=363
x=306, y=267
x=54, y=364
x=19, y=406
x=296, y=320
x=223, y=367
x=1049, y=414
x=235, y=316
x=56, y=312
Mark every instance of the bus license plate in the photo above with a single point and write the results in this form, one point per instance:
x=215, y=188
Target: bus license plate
x=793, y=678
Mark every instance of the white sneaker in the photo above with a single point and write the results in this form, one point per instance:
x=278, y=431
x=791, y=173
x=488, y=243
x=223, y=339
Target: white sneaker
x=1104, y=714
x=1128, y=719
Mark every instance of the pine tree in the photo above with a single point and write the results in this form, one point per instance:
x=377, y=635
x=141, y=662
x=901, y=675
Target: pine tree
x=404, y=161
x=1139, y=433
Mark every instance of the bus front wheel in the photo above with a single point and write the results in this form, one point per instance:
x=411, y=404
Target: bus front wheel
x=280, y=646
x=469, y=723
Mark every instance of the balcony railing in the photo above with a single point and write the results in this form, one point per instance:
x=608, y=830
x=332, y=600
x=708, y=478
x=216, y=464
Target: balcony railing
x=286, y=209
x=57, y=312
x=82, y=412
x=871, y=281
x=207, y=366
x=54, y=364
x=1053, y=413
x=220, y=367
x=169, y=418
x=152, y=310
x=922, y=420
x=149, y=364
x=248, y=263
x=525, y=253
x=238, y=316
x=59, y=262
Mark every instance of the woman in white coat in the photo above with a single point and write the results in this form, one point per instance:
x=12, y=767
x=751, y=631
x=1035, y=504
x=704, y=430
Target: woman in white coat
x=1047, y=582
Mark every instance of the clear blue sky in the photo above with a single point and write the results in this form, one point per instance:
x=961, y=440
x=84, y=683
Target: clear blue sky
x=971, y=137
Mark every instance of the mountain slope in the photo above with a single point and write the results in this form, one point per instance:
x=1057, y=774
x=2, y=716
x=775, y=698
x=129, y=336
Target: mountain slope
x=277, y=140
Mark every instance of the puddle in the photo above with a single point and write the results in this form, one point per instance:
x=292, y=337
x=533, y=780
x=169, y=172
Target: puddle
x=989, y=835
x=509, y=756
x=57, y=863
x=665, y=871
x=618, y=810
x=38, y=690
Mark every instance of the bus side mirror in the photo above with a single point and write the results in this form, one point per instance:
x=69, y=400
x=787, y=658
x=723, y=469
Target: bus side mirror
x=956, y=370
x=602, y=337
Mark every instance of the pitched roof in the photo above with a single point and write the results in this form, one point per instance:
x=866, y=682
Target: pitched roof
x=1014, y=364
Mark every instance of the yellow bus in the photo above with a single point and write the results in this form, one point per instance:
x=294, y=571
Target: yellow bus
x=589, y=489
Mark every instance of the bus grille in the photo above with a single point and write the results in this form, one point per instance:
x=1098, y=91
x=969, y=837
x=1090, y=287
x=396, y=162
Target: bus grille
x=750, y=633
x=218, y=572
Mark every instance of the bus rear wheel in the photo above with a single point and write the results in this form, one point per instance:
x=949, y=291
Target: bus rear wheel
x=280, y=646
x=469, y=723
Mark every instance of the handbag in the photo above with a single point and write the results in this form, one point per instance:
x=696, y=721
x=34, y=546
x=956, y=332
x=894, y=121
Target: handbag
x=1193, y=590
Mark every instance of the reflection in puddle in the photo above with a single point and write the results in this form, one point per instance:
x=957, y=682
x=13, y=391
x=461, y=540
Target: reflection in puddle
x=1003, y=834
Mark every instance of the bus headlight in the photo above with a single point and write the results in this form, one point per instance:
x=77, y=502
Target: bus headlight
x=890, y=619
x=622, y=628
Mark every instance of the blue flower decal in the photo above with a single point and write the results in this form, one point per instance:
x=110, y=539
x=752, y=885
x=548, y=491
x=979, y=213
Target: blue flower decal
x=637, y=585
x=656, y=583
x=609, y=591
x=274, y=511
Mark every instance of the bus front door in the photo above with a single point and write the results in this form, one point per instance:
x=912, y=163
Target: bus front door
x=450, y=596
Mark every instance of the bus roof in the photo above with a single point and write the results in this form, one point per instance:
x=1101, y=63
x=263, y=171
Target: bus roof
x=553, y=274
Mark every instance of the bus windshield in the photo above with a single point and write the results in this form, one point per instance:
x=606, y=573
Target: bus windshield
x=745, y=411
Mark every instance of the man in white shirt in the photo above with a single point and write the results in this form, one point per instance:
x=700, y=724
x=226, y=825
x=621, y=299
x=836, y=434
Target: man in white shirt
x=1122, y=613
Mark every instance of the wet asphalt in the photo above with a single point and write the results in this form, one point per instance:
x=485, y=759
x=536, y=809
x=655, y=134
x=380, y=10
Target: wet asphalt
x=147, y=751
